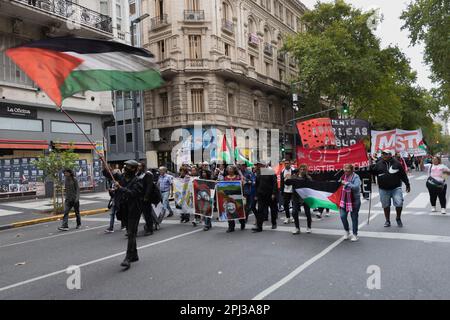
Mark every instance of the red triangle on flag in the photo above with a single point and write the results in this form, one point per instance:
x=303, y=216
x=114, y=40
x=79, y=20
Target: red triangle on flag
x=336, y=197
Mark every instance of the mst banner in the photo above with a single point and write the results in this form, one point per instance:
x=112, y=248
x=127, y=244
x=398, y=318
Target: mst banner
x=402, y=141
x=349, y=131
x=333, y=159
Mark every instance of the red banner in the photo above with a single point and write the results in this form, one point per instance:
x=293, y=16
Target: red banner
x=316, y=133
x=333, y=159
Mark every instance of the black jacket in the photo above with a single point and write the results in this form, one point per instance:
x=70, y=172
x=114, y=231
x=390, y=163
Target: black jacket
x=266, y=185
x=295, y=179
x=147, y=185
x=128, y=199
x=390, y=174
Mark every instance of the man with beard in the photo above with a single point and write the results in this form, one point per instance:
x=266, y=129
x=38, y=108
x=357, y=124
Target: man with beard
x=146, y=178
x=131, y=194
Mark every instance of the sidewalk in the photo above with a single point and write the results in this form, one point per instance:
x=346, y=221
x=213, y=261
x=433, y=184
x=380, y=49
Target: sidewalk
x=19, y=211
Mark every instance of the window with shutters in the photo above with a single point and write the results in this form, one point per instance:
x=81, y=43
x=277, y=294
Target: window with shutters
x=230, y=103
x=161, y=50
x=193, y=5
x=195, y=47
x=159, y=8
x=227, y=50
x=164, y=100
x=197, y=100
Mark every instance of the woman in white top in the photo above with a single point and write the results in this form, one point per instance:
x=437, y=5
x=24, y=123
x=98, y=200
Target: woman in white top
x=436, y=185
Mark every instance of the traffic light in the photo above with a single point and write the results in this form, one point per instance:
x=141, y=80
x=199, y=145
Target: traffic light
x=345, y=108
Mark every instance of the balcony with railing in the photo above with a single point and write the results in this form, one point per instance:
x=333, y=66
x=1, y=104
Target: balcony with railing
x=194, y=15
x=253, y=39
x=281, y=56
x=227, y=26
x=195, y=63
x=159, y=22
x=76, y=14
x=268, y=49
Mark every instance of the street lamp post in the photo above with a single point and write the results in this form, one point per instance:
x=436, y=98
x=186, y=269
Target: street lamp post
x=134, y=94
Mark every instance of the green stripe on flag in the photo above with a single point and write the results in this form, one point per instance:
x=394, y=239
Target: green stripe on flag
x=314, y=203
x=109, y=80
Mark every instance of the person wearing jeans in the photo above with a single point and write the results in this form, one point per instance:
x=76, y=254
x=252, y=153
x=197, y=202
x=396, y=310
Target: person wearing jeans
x=436, y=185
x=72, y=193
x=166, y=187
x=350, y=201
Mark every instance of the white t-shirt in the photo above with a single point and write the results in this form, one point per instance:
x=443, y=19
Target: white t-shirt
x=437, y=171
x=287, y=175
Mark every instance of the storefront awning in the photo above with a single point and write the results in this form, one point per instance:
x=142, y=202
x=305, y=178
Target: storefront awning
x=24, y=144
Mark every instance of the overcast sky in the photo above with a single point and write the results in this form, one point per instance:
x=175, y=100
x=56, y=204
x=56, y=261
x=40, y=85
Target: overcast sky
x=389, y=31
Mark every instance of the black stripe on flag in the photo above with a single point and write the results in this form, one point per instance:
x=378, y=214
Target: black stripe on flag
x=327, y=186
x=85, y=46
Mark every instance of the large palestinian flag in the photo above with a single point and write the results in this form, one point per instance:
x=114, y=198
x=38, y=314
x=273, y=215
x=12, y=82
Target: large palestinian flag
x=318, y=194
x=64, y=66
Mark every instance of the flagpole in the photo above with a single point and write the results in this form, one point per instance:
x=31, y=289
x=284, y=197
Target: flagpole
x=370, y=162
x=91, y=142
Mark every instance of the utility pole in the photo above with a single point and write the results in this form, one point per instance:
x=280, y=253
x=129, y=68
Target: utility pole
x=135, y=93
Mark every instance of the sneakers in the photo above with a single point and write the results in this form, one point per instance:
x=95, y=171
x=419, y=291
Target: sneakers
x=318, y=216
x=206, y=228
x=230, y=230
x=308, y=230
x=254, y=230
x=327, y=214
x=63, y=228
x=347, y=235
x=296, y=231
x=433, y=209
x=399, y=223
x=126, y=264
x=286, y=221
x=170, y=215
x=387, y=224
x=443, y=211
x=109, y=231
x=353, y=238
x=274, y=226
x=78, y=226
x=291, y=220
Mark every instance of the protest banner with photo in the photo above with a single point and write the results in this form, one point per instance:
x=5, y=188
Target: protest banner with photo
x=333, y=159
x=403, y=141
x=230, y=201
x=316, y=133
x=182, y=194
x=204, y=192
x=349, y=131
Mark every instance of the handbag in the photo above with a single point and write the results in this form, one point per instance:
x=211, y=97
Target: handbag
x=433, y=183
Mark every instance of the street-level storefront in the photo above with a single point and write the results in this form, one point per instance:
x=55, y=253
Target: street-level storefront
x=27, y=132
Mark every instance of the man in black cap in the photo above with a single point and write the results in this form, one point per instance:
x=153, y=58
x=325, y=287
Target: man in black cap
x=130, y=191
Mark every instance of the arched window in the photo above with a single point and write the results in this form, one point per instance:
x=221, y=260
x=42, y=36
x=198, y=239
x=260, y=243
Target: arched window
x=251, y=26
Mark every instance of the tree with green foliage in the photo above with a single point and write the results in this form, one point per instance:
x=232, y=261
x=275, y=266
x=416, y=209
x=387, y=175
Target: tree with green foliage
x=428, y=22
x=52, y=165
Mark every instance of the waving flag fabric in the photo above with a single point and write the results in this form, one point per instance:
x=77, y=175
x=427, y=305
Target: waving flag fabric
x=64, y=66
x=318, y=194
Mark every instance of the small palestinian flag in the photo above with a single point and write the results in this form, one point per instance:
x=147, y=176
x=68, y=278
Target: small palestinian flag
x=318, y=194
x=64, y=66
x=423, y=146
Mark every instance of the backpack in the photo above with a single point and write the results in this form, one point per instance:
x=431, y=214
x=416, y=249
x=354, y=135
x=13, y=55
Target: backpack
x=156, y=196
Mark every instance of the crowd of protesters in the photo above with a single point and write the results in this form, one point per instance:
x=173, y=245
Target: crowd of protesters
x=134, y=188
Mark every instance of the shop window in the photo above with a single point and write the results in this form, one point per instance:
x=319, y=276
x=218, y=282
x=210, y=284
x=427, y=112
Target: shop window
x=68, y=127
x=21, y=124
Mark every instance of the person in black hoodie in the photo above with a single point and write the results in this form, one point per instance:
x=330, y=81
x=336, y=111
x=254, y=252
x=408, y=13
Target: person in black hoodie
x=266, y=193
x=130, y=192
x=390, y=175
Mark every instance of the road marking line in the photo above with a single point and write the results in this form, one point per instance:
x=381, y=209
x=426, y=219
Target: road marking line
x=4, y=212
x=15, y=285
x=419, y=202
x=302, y=267
x=424, y=177
x=53, y=236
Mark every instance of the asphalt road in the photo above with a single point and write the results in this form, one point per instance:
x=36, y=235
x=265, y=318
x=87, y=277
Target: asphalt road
x=183, y=262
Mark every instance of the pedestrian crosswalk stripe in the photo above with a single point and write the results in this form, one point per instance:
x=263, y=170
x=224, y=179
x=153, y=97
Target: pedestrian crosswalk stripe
x=4, y=212
x=421, y=201
x=424, y=177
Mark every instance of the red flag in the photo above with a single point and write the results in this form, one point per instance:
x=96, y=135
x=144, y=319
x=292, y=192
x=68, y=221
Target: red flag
x=336, y=197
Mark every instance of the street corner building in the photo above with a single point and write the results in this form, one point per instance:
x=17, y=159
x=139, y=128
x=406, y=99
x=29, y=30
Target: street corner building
x=30, y=124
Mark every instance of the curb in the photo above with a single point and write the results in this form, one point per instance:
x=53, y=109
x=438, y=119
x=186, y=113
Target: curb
x=50, y=219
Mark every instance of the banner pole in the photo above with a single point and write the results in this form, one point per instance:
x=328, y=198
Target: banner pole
x=370, y=164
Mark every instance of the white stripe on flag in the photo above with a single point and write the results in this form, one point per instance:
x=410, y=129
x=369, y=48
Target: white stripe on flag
x=308, y=193
x=116, y=61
